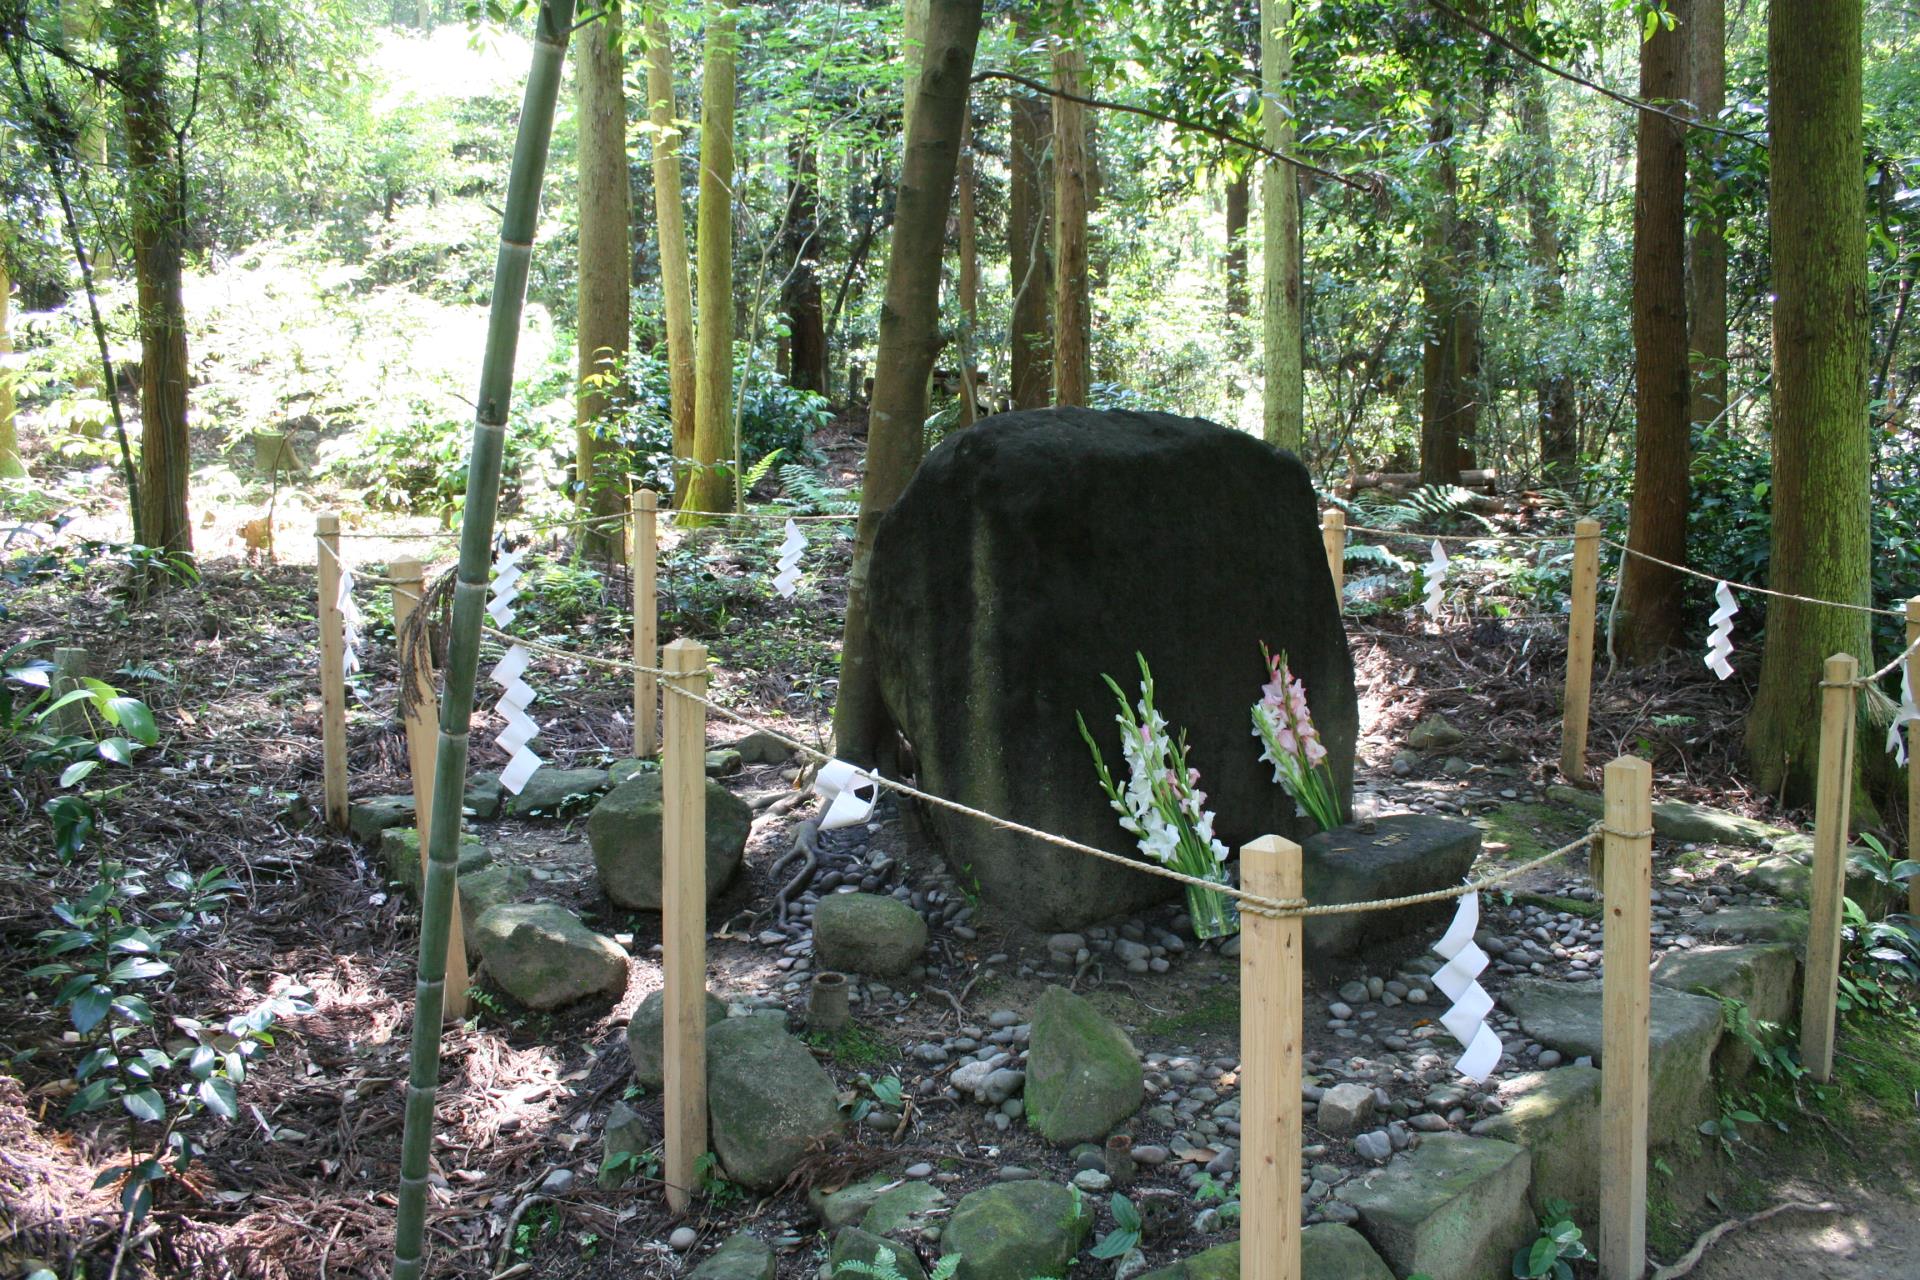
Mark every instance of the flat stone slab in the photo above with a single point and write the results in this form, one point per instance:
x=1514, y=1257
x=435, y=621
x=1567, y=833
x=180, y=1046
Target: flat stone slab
x=1683, y=1033
x=551, y=792
x=1328, y=1251
x=1786, y=872
x=1758, y=924
x=1763, y=976
x=1405, y=853
x=1678, y=820
x=1555, y=1115
x=1454, y=1207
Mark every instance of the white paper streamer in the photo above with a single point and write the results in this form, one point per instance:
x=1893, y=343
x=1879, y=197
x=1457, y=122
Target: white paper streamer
x=506, y=586
x=521, y=728
x=1720, y=639
x=1906, y=715
x=791, y=549
x=847, y=792
x=1436, y=579
x=350, y=620
x=1466, y=1020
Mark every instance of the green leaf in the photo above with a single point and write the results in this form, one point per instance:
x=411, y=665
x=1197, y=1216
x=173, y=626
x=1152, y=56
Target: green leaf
x=1115, y=1244
x=132, y=715
x=220, y=1097
x=1124, y=1214
x=117, y=750
x=77, y=772
x=145, y=1104
x=136, y=969
x=89, y=1007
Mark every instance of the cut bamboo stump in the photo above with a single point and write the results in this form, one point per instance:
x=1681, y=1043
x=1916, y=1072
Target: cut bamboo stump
x=1913, y=754
x=333, y=674
x=644, y=562
x=1271, y=1013
x=1832, y=799
x=683, y=919
x=1580, y=626
x=1625, y=1002
x=1333, y=533
x=70, y=668
x=423, y=744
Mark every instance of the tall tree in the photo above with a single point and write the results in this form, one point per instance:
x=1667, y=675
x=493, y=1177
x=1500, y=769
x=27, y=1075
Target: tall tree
x=1822, y=447
x=157, y=218
x=1707, y=250
x=968, y=274
x=1029, y=270
x=1657, y=524
x=1553, y=382
x=806, y=317
x=1283, y=421
x=670, y=221
x=11, y=466
x=909, y=339
x=1238, y=200
x=1443, y=387
x=605, y=266
x=1072, y=318
x=711, y=487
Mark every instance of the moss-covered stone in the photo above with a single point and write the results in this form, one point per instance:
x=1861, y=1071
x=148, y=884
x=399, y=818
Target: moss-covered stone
x=742, y=1256
x=851, y=1244
x=487, y=888
x=366, y=819
x=771, y=1102
x=1328, y=1251
x=1762, y=976
x=903, y=1208
x=1555, y=1115
x=553, y=792
x=1083, y=1074
x=625, y=832
x=1454, y=1207
x=400, y=854
x=1786, y=872
x=868, y=933
x=645, y=1038
x=1017, y=1231
x=542, y=955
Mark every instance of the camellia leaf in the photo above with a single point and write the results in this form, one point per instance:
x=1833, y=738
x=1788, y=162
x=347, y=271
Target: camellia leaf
x=132, y=715
x=117, y=750
x=89, y=1007
x=145, y=1104
x=219, y=1096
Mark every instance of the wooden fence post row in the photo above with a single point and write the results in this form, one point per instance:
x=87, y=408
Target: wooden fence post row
x=1626, y=994
x=1581, y=618
x=423, y=743
x=1333, y=535
x=333, y=676
x=683, y=919
x=1271, y=1035
x=643, y=560
x=1832, y=799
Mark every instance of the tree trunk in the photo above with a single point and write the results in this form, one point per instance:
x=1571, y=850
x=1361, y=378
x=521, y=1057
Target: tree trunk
x=806, y=317
x=969, y=282
x=670, y=216
x=12, y=467
x=1236, y=256
x=1553, y=389
x=909, y=338
x=710, y=487
x=1707, y=253
x=1072, y=323
x=1284, y=406
x=157, y=217
x=605, y=257
x=1029, y=270
x=1822, y=451
x=1657, y=524
x=1441, y=392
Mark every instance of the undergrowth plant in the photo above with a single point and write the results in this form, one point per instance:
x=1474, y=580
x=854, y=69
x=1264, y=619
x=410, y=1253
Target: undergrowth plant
x=1557, y=1247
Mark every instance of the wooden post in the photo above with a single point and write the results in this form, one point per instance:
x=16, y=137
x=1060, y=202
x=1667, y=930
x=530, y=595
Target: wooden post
x=1913, y=756
x=1271, y=1014
x=644, y=562
x=1832, y=797
x=423, y=744
x=333, y=675
x=1625, y=1010
x=70, y=667
x=1580, y=623
x=683, y=918
x=1333, y=533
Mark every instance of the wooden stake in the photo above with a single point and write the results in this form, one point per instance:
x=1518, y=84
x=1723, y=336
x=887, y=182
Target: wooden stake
x=423, y=740
x=1625, y=1011
x=1580, y=625
x=683, y=919
x=70, y=668
x=333, y=675
x=1832, y=798
x=1913, y=756
x=1270, y=1041
x=644, y=561
x=1333, y=533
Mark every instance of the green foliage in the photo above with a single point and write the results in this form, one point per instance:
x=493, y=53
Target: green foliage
x=886, y=1266
x=853, y=1046
x=806, y=491
x=719, y=1190
x=1125, y=1236
x=116, y=728
x=1558, y=1246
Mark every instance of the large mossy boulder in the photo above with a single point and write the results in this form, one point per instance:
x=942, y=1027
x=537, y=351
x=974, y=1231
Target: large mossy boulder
x=625, y=832
x=646, y=1037
x=868, y=933
x=1035, y=552
x=1083, y=1074
x=542, y=955
x=770, y=1101
x=1017, y=1231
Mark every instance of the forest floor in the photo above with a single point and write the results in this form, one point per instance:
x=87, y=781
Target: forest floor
x=301, y=1185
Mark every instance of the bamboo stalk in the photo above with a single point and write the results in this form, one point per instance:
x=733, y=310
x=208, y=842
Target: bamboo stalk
x=683, y=916
x=644, y=561
x=1271, y=1013
x=1333, y=532
x=552, y=26
x=1913, y=754
x=333, y=674
x=1626, y=1012
x=1581, y=617
x=1832, y=798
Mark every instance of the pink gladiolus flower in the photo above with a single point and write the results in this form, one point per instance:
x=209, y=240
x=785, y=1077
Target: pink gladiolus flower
x=1315, y=752
x=1284, y=738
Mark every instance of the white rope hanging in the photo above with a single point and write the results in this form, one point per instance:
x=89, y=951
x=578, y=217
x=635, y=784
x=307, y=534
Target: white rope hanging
x=1457, y=979
x=509, y=673
x=1436, y=579
x=350, y=620
x=792, y=547
x=846, y=792
x=1720, y=639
